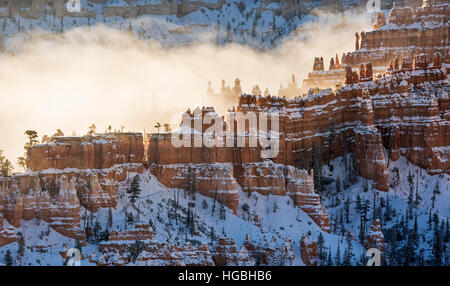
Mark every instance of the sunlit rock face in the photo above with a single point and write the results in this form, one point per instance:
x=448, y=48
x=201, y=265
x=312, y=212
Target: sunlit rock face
x=404, y=32
x=219, y=171
x=87, y=152
x=69, y=173
x=410, y=110
x=405, y=111
x=401, y=34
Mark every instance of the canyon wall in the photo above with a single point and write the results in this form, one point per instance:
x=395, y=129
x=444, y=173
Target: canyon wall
x=68, y=173
x=406, y=32
x=404, y=111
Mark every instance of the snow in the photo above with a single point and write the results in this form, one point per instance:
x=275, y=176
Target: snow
x=277, y=215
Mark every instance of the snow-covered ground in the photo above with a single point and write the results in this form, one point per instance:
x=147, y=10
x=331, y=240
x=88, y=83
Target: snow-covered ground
x=277, y=214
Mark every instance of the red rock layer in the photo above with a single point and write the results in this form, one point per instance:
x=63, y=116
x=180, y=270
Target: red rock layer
x=424, y=30
x=309, y=250
x=88, y=152
x=212, y=180
x=269, y=252
x=67, y=173
x=411, y=112
x=6, y=235
x=117, y=250
x=375, y=237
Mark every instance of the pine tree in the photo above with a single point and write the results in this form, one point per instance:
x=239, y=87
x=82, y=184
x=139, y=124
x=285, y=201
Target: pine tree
x=5, y=166
x=437, y=248
x=447, y=232
x=338, y=256
x=417, y=199
x=316, y=163
x=322, y=254
x=396, y=178
x=78, y=245
x=8, y=258
x=409, y=251
x=194, y=187
x=21, y=243
x=134, y=190
x=188, y=181
x=274, y=24
x=348, y=253
x=338, y=185
x=353, y=175
x=415, y=234
x=362, y=232
x=110, y=218
x=411, y=189
x=358, y=204
x=429, y=219
x=97, y=229
x=347, y=210
x=387, y=213
x=436, y=191
x=329, y=259
x=330, y=140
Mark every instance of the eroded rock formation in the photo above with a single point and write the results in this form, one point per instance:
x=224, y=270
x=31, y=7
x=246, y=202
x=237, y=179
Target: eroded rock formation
x=309, y=250
x=69, y=173
x=407, y=31
x=375, y=237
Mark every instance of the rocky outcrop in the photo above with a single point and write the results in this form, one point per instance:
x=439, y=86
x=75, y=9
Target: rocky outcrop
x=212, y=180
x=375, y=237
x=405, y=110
x=277, y=179
x=309, y=250
x=410, y=109
x=269, y=251
x=7, y=235
x=61, y=208
x=407, y=31
x=68, y=173
x=138, y=246
x=227, y=254
x=121, y=241
x=101, y=151
x=64, y=214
